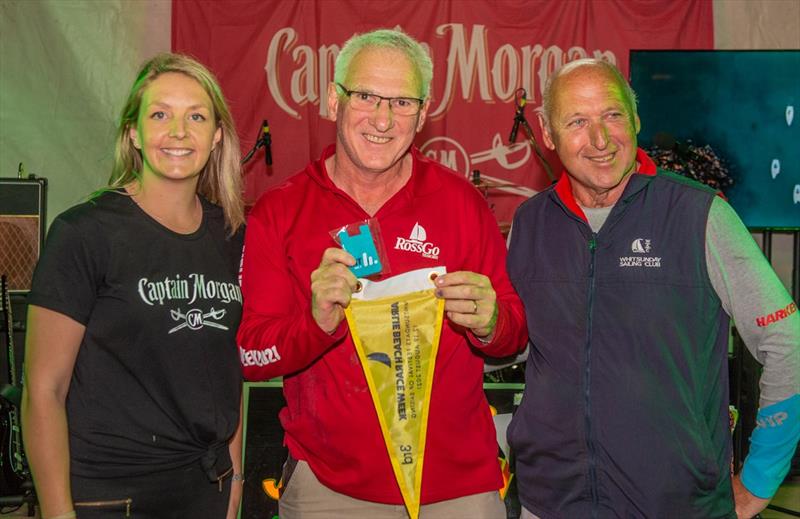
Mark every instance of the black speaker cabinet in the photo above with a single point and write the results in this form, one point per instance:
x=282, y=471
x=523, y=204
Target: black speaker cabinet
x=264, y=452
x=22, y=226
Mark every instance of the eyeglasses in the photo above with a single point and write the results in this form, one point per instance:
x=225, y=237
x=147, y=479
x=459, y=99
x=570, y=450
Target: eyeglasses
x=366, y=102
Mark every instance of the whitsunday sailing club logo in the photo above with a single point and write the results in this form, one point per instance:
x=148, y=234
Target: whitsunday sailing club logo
x=640, y=246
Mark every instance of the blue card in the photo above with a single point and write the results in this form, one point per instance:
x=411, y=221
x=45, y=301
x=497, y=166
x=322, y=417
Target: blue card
x=362, y=247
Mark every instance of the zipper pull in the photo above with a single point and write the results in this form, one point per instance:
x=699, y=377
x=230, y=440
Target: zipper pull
x=592, y=247
x=128, y=507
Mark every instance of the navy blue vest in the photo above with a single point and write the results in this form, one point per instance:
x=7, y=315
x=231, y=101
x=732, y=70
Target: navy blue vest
x=625, y=411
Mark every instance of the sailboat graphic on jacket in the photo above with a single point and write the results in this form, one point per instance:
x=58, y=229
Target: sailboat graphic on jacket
x=416, y=242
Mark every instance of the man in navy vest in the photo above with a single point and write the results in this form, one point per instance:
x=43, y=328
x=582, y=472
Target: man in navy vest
x=630, y=276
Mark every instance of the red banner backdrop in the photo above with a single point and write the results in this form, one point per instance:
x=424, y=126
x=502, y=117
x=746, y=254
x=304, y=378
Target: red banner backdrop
x=275, y=58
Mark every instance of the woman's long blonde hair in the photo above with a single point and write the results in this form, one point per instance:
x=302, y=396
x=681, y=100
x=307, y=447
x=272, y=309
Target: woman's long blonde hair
x=220, y=179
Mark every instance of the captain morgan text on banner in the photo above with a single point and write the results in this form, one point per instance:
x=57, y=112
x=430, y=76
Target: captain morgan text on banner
x=275, y=59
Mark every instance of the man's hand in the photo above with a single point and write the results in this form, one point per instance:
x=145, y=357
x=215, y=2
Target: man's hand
x=332, y=285
x=747, y=505
x=470, y=301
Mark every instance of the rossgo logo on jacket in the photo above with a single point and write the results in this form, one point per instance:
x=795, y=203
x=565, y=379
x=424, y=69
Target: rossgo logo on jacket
x=416, y=243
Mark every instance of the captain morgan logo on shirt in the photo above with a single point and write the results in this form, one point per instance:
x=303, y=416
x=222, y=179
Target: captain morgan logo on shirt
x=190, y=290
x=417, y=242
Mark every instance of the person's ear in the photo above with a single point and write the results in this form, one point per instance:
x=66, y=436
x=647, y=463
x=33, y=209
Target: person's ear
x=423, y=114
x=134, y=135
x=333, y=101
x=547, y=138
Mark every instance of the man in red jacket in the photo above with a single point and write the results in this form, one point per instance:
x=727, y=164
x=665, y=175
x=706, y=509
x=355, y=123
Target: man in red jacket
x=296, y=284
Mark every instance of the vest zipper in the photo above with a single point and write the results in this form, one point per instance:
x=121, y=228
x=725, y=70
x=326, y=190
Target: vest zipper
x=587, y=380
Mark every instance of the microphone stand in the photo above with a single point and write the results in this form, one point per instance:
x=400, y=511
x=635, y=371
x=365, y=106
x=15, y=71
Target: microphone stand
x=519, y=119
x=264, y=140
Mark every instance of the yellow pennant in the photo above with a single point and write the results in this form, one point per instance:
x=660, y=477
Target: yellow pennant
x=396, y=325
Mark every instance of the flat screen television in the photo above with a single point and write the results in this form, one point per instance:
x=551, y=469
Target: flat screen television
x=746, y=106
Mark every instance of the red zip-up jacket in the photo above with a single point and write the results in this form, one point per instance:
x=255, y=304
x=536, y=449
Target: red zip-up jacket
x=329, y=420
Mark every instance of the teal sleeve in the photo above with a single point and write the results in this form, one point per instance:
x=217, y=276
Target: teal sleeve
x=772, y=447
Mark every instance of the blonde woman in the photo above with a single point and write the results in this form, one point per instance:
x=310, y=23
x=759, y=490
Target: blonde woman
x=132, y=396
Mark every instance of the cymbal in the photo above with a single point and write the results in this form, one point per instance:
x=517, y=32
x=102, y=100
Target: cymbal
x=491, y=184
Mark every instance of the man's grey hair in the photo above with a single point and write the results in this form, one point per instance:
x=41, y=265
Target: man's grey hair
x=387, y=39
x=549, y=93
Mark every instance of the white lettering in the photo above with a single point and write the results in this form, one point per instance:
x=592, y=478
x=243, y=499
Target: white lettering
x=469, y=64
x=303, y=85
x=327, y=58
x=640, y=261
x=225, y=292
x=142, y=286
x=446, y=158
x=259, y=357
x=271, y=68
x=505, y=84
x=775, y=420
x=427, y=249
x=152, y=292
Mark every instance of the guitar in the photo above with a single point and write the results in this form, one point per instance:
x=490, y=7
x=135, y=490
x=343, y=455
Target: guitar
x=12, y=464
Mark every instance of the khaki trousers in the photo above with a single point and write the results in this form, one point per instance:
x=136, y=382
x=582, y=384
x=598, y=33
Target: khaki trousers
x=306, y=498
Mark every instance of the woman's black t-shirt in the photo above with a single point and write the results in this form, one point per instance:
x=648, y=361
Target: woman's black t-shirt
x=156, y=383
